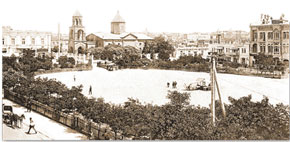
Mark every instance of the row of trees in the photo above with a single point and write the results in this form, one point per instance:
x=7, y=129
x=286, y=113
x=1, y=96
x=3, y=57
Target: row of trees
x=27, y=63
x=269, y=63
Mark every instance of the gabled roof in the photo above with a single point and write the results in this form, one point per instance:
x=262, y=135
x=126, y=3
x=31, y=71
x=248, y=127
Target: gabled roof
x=107, y=36
x=77, y=13
x=130, y=34
x=121, y=36
x=118, y=19
x=141, y=36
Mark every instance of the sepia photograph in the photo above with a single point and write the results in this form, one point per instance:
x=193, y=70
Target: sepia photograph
x=90, y=70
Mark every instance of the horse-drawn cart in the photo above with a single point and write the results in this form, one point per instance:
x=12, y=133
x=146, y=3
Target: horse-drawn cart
x=200, y=84
x=7, y=114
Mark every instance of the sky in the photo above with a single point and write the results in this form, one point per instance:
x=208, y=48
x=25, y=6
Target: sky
x=183, y=16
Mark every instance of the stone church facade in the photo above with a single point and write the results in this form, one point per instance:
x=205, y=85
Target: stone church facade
x=118, y=36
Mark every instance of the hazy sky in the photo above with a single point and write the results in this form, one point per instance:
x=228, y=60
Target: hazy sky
x=155, y=15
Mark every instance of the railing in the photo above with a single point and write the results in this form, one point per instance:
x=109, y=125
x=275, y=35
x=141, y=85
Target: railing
x=75, y=121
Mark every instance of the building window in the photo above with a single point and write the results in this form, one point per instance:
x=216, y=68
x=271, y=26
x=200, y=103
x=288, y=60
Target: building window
x=3, y=41
x=262, y=36
x=23, y=41
x=262, y=48
x=13, y=41
x=33, y=41
x=285, y=35
x=140, y=43
x=276, y=50
x=276, y=35
x=270, y=35
x=243, y=50
x=255, y=36
x=270, y=48
x=255, y=48
x=285, y=49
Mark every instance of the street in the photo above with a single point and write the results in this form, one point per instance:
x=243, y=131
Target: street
x=47, y=129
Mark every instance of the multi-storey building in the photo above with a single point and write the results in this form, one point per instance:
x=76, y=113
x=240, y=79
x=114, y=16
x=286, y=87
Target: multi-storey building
x=60, y=43
x=15, y=41
x=189, y=51
x=231, y=46
x=238, y=53
x=270, y=37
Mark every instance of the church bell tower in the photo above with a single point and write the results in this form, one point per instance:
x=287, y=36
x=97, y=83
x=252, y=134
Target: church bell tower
x=77, y=36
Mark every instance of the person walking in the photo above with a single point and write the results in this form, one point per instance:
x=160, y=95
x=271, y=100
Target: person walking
x=29, y=105
x=31, y=126
x=168, y=84
x=90, y=90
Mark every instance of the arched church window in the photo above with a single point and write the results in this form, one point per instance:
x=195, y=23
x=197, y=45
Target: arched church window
x=77, y=22
x=80, y=35
x=80, y=50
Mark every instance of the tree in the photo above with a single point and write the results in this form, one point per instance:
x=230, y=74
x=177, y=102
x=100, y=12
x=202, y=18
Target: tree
x=71, y=60
x=164, y=48
x=264, y=62
x=62, y=60
x=178, y=99
x=55, y=49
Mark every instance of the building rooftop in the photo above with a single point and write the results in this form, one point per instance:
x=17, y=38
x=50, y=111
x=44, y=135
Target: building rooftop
x=121, y=36
x=118, y=19
x=77, y=13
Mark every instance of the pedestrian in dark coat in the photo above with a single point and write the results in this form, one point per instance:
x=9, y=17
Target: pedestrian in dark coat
x=31, y=126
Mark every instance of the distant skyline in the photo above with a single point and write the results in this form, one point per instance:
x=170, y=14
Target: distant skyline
x=179, y=16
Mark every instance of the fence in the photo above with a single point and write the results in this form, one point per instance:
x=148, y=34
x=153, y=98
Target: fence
x=75, y=121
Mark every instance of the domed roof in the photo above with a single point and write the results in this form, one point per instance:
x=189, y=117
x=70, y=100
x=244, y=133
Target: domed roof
x=118, y=18
x=77, y=13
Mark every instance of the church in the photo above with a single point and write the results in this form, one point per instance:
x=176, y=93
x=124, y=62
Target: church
x=118, y=36
x=79, y=43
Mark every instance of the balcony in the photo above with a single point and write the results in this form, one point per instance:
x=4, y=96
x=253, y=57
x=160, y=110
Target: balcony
x=233, y=53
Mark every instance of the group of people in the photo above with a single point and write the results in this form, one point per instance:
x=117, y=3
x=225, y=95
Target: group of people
x=174, y=84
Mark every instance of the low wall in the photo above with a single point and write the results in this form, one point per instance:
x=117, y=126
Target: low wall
x=75, y=121
x=56, y=70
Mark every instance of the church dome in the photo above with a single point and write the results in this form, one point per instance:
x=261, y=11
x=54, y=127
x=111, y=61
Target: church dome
x=77, y=13
x=118, y=19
